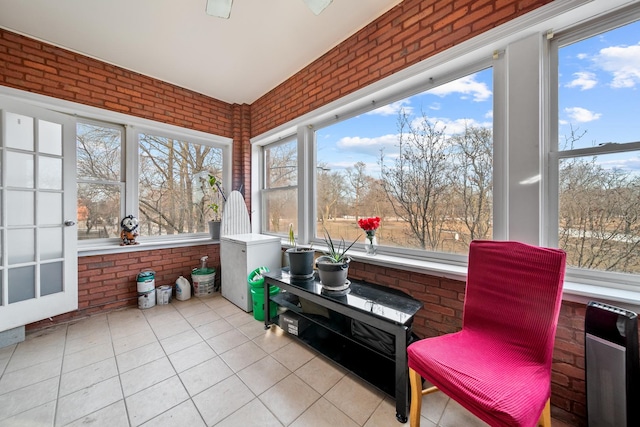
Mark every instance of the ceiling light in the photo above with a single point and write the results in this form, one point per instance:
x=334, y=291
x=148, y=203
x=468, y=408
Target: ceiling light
x=222, y=8
x=219, y=8
x=317, y=6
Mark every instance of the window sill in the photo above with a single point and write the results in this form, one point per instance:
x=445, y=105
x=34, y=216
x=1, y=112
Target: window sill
x=573, y=291
x=111, y=247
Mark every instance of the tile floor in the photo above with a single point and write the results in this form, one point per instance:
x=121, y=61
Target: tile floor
x=201, y=362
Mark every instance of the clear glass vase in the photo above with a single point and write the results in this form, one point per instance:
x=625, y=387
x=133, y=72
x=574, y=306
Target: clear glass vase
x=371, y=243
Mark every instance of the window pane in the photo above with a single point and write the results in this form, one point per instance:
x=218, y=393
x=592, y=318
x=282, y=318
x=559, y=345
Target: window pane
x=22, y=283
x=98, y=211
x=51, y=278
x=20, y=170
x=99, y=152
x=19, y=131
x=50, y=208
x=422, y=164
x=50, y=137
x=600, y=213
x=171, y=185
x=281, y=162
x=598, y=89
x=599, y=195
x=281, y=207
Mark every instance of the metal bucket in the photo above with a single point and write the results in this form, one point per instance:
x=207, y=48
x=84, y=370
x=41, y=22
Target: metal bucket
x=147, y=299
x=146, y=281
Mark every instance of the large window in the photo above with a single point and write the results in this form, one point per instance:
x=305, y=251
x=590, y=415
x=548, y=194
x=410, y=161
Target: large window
x=165, y=183
x=598, y=153
x=422, y=164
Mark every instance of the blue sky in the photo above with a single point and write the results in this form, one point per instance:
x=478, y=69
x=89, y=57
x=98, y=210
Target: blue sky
x=598, y=89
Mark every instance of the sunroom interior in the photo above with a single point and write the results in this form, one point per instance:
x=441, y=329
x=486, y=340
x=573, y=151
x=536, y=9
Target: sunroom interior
x=77, y=345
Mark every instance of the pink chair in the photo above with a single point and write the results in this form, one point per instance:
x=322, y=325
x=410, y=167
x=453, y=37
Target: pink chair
x=499, y=365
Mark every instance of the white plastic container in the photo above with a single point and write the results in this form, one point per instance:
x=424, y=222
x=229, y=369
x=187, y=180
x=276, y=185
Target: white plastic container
x=183, y=289
x=163, y=294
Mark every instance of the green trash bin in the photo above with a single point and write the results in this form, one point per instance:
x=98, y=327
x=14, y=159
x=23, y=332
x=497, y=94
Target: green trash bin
x=255, y=278
x=257, y=294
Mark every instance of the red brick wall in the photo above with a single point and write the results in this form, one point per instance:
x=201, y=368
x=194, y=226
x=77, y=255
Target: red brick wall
x=33, y=66
x=108, y=282
x=409, y=33
x=442, y=313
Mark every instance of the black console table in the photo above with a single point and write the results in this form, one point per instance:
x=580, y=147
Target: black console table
x=366, y=330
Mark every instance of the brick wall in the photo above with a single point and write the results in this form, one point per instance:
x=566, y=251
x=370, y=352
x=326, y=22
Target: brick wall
x=442, y=313
x=409, y=33
x=108, y=282
x=33, y=66
x=38, y=67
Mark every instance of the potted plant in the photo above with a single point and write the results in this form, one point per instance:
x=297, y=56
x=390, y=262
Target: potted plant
x=333, y=267
x=217, y=199
x=300, y=259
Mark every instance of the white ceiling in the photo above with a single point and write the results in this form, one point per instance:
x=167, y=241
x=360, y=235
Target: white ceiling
x=263, y=43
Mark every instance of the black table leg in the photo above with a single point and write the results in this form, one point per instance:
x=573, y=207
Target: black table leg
x=402, y=375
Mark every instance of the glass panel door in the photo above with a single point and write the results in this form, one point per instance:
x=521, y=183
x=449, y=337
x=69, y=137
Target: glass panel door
x=38, y=258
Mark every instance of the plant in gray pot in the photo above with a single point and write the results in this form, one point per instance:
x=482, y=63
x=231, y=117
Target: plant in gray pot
x=333, y=267
x=300, y=259
x=211, y=186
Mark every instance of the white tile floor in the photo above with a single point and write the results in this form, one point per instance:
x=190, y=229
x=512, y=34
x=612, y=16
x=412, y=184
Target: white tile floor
x=202, y=362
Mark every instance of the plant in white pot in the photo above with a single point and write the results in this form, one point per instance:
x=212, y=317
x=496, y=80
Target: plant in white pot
x=300, y=259
x=333, y=267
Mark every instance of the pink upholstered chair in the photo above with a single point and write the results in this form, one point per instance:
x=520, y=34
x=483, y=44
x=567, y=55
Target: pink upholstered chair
x=499, y=365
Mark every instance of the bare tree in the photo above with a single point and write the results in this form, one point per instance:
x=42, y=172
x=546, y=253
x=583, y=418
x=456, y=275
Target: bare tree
x=473, y=181
x=416, y=184
x=599, y=216
x=358, y=185
x=331, y=188
x=99, y=180
x=168, y=183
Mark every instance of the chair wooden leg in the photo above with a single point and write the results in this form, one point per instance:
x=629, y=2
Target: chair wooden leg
x=545, y=417
x=416, y=398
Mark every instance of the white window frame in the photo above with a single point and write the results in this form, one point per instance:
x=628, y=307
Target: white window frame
x=133, y=126
x=263, y=180
x=617, y=281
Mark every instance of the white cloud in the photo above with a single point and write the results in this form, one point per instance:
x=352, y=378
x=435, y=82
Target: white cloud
x=489, y=114
x=623, y=62
x=583, y=80
x=393, y=109
x=581, y=115
x=467, y=86
x=451, y=127
x=367, y=145
x=435, y=106
x=582, y=56
x=627, y=164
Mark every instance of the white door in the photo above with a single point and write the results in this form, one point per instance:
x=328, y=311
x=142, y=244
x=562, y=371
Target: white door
x=38, y=255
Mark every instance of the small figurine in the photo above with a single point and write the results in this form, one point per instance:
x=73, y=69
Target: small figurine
x=129, y=231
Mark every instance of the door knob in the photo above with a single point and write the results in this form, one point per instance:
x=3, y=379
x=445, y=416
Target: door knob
x=69, y=223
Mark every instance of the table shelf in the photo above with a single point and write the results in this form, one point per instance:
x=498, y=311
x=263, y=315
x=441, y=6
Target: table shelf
x=384, y=313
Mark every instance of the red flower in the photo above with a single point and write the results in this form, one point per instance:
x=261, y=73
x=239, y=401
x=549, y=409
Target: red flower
x=369, y=224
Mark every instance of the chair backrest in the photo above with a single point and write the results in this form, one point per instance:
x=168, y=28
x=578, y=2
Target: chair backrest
x=514, y=293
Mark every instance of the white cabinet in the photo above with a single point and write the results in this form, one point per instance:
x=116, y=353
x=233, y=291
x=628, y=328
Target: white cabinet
x=240, y=254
